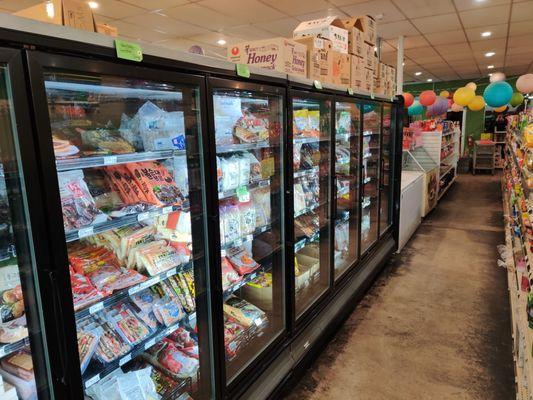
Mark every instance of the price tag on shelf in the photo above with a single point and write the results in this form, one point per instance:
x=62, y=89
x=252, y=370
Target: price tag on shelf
x=243, y=194
x=317, y=84
x=96, y=307
x=143, y=216
x=167, y=209
x=171, y=272
x=110, y=160
x=2, y=351
x=92, y=381
x=372, y=95
x=149, y=344
x=135, y=289
x=264, y=183
x=84, y=232
x=350, y=91
x=170, y=330
x=222, y=253
x=128, y=51
x=124, y=359
x=242, y=70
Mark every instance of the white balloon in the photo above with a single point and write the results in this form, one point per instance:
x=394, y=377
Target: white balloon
x=497, y=76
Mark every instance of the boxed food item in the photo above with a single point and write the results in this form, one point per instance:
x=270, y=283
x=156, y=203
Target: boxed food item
x=330, y=28
x=319, y=58
x=280, y=54
x=368, y=80
x=355, y=37
x=259, y=292
x=340, y=74
x=379, y=86
x=367, y=25
x=370, y=58
x=106, y=29
x=73, y=13
x=356, y=72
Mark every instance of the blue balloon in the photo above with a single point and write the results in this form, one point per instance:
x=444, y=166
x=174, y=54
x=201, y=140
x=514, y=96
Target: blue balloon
x=416, y=108
x=498, y=94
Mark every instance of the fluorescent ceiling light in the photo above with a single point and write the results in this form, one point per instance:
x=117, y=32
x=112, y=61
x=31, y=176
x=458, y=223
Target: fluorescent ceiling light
x=221, y=42
x=490, y=66
x=489, y=54
x=418, y=73
x=430, y=80
x=486, y=34
x=93, y=4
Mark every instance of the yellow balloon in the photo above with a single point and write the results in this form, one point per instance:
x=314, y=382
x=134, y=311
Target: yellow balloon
x=444, y=94
x=471, y=85
x=500, y=109
x=463, y=96
x=478, y=103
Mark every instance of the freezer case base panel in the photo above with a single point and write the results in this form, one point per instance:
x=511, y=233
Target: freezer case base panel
x=304, y=348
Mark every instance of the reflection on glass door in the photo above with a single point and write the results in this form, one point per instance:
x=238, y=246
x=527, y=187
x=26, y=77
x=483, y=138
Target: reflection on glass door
x=385, y=214
x=129, y=165
x=16, y=260
x=248, y=132
x=370, y=174
x=347, y=135
x=311, y=161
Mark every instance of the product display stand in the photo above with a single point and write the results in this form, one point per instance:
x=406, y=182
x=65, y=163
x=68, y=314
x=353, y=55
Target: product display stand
x=484, y=156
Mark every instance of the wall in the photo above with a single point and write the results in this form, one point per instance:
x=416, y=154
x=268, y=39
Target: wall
x=417, y=88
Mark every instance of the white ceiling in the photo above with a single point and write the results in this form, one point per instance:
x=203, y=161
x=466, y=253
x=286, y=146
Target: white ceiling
x=442, y=37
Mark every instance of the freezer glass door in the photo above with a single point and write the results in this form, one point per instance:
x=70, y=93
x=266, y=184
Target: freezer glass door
x=347, y=136
x=20, y=363
x=311, y=163
x=385, y=213
x=129, y=161
x=248, y=136
x=370, y=174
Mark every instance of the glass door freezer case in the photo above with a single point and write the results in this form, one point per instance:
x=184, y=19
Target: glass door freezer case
x=123, y=147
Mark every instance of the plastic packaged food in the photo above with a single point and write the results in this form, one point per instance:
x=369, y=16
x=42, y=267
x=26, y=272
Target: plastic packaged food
x=229, y=275
x=168, y=311
x=87, y=344
x=177, y=362
x=161, y=130
x=126, y=323
x=254, y=167
x=19, y=364
x=248, y=217
x=230, y=222
x=344, y=122
x=250, y=128
x=300, y=121
x=104, y=141
x=64, y=149
x=13, y=331
x=244, y=312
x=83, y=291
x=227, y=111
x=154, y=257
x=230, y=173
x=261, y=201
x=78, y=205
x=314, y=123
x=134, y=385
x=122, y=240
x=156, y=183
x=175, y=227
x=242, y=262
x=129, y=189
x=244, y=169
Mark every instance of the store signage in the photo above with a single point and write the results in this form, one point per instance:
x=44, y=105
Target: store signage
x=242, y=70
x=128, y=51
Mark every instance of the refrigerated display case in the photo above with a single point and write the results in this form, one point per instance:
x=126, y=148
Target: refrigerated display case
x=385, y=188
x=125, y=148
x=370, y=175
x=347, y=143
x=248, y=123
x=311, y=184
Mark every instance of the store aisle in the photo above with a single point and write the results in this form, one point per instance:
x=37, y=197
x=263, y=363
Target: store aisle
x=436, y=324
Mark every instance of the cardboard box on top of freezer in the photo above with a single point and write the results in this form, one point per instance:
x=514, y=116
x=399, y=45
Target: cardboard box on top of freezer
x=319, y=58
x=357, y=64
x=355, y=37
x=330, y=28
x=280, y=54
x=340, y=74
x=73, y=13
x=367, y=25
x=370, y=57
x=368, y=80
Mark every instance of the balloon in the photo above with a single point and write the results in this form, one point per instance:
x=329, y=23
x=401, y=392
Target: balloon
x=444, y=94
x=476, y=104
x=439, y=107
x=416, y=108
x=471, y=85
x=456, y=107
x=464, y=95
x=498, y=94
x=500, y=109
x=408, y=99
x=427, y=97
x=497, y=76
x=524, y=83
x=517, y=99
x=450, y=102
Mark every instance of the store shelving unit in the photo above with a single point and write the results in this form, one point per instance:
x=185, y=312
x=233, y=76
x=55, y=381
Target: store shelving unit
x=484, y=156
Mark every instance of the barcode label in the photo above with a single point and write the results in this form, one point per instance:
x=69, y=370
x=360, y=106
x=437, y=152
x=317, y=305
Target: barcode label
x=95, y=308
x=110, y=160
x=92, y=381
x=124, y=360
x=84, y=232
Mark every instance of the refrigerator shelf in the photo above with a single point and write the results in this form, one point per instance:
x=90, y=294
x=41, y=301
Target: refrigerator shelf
x=247, y=278
x=118, y=223
x=240, y=241
x=140, y=348
x=121, y=295
x=370, y=133
x=230, y=148
x=252, y=185
x=305, y=172
x=306, y=139
x=7, y=349
x=103, y=161
x=308, y=209
x=299, y=245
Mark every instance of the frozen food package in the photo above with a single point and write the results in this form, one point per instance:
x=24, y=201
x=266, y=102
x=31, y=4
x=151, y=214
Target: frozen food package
x=133, y=385
x=103, y=141
x=342, y=237
x=87, y=344
x=177, y=362
x=128, y=188
x=161, y=130
x=168, y=311
x=296, y=156
x=248, y=217
x=64, y=149
x=254, y=167
x=249, y=128
x=299, y=198
x=261, y=201
x=19, y=364
x=242, y=262
x=83, y=291
x=244, y=169
x=106, y=196
x=156, y=183
x=11, y=305
x=229, y=275
x=230, y=173
x=126, y=323
x=180, y=174
x=13, y=331
x=314, y=123
x=344, y=122
x=227, y=111
x=232, y=223
x=309, y=155
x=156, y=259
x=244, y=312
x=175, y=227
x=129, y=130
x=300, y=121
x=78, y=205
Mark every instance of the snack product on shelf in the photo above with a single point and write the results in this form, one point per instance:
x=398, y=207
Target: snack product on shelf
x=19, y=364
x=229, y=275
x=87, y=344
x=244, y=312
x=242, y=262
x=13, y=331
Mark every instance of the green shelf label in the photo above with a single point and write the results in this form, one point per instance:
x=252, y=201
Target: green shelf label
x=242, y=70
x=350, y=91
x=128, y=51
x=317, y=84
x=243, y=194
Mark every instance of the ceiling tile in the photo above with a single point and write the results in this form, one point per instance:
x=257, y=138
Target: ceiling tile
x=476, y=4
x=384, y=7
x=248, y=32
x=523, y=41
x=437, y=23
x=410, y=42
x=424, y=8
x=155, y=4
x=522, y=11
x=250, y=10
x=203, y=16
x=100, y=19
x=17, y=5
x=485, y=16
x=165, y=24
x=516, y=69
x=421, y=52
x=488, y=45
x=330, y=12
x=453, y=57
x=423, y=60
x=449, y=37
x=395, y=29
x=482, y=60
x=497, y=32
x=346, y=2
x=138, y=32
x=448, y=49
x=298, y=7
x=521, y=28
x=526, y=52
x=517, y=59
x=116, y=9
x=280, y=27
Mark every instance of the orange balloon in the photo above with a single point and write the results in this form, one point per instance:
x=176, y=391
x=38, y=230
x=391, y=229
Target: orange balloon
x=408, y=99
x=501, y=109
x=427, y=98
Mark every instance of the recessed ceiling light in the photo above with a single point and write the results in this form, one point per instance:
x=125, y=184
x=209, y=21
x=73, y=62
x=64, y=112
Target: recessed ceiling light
x=93, y=4
x=486, y=34
x=489, y=54
x=418, y=73
x=403, y=63
x=430, y=80
x=490, y=74
x=221, y=42
x=490, y=66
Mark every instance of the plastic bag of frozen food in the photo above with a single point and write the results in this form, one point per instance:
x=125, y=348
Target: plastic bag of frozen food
x=296, y=156
x=254, y=167
x=300, y=121
x=227, y=111
x=244, y=313
x=248, y=217
x=78, y=205
x=230, y=173
x=104, y=141
x=261, y=201
x=229, y=275
x=129, y=129
x=161, y=130
x=342, y=237
x=232, y=223
x=177, y=362
x=250, y=128
x=126, y=323
x=314, y=123
x=134, y=385
x=244, y=169
x=299, y=198
x=242, y=262
x=344, y=122
x=87, y=344
x=168, y=311
x=180, y=174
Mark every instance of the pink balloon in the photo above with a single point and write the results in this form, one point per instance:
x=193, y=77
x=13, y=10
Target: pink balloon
x=456, y=107
x=524, y=83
